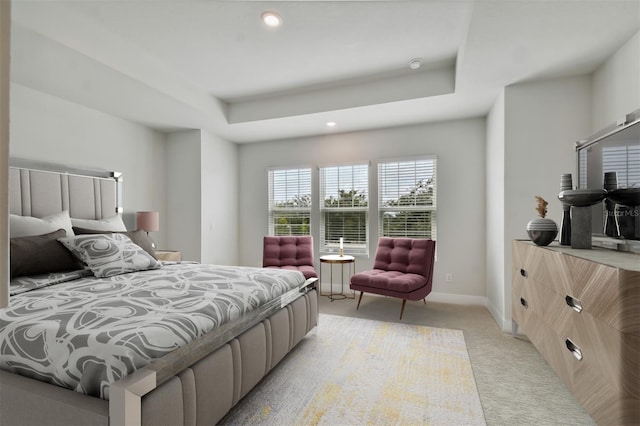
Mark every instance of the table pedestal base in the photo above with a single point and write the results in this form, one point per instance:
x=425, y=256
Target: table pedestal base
x=581, y=227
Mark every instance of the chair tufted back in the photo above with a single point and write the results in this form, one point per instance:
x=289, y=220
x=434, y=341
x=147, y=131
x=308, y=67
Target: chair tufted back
x=287, y=251
x=406, y=255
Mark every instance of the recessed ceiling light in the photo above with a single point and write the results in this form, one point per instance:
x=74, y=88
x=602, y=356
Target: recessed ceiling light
x=331, y=123
x=271, y=19
x=414, y=64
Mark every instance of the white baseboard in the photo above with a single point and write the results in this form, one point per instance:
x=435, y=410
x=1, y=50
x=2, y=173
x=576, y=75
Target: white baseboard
x=504, y=324
x=457, y=299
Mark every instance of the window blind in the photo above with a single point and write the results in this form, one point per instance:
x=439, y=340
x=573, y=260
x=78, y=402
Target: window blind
x=344, y=204
x=289, y=202
x=407, y=198
x=583, y=169
x=625, y=160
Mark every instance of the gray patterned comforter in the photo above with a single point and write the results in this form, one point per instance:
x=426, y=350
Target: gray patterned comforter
x=88, y=332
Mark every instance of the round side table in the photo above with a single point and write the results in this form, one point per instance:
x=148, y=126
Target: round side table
x=333, y=259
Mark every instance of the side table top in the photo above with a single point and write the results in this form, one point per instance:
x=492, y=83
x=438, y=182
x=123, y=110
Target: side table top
x=335, y=258
x=169, y=255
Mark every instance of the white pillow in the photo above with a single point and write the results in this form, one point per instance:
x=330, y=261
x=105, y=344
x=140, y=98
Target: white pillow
x=110, y=254
x=26, y=226
x=113, y=224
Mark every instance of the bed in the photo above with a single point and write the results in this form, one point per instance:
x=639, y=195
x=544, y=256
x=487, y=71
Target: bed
x=146, y=342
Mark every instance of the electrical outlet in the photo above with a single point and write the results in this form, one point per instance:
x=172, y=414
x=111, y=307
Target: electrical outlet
x=449, y=277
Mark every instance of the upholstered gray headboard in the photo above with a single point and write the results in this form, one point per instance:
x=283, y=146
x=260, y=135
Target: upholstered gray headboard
x=37, y=189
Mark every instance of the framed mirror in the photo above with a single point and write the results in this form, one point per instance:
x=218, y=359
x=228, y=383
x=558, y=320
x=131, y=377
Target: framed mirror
x=610, y=159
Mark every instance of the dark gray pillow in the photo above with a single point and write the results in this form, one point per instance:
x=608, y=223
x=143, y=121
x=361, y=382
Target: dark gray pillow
x=41, y=254
x=138, y=237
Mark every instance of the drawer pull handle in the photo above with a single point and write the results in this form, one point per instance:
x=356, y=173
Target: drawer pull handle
x=573, y=303
x=574, y=349
x=524, y=303
x=523, y=273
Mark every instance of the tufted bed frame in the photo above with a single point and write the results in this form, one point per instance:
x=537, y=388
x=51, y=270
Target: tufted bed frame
x=197, y=384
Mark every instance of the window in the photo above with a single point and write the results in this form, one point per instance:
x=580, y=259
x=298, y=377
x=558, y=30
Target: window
x=625, y=161
x=344, y=205
x=582, y=169
x=407, y=198
x=289, y=202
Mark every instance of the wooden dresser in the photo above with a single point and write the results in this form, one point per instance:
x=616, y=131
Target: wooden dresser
x=581, y=310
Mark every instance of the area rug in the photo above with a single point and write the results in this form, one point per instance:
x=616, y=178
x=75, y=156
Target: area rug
x=362, y=372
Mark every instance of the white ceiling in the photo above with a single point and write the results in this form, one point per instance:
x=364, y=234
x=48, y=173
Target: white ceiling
x=213, y=65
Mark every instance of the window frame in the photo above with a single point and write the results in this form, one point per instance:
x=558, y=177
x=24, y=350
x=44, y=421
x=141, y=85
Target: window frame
x=429, y=208
x=361, y=247
x=273, y=209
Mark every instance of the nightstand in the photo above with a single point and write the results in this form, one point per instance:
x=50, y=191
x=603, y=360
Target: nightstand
x=169, y=255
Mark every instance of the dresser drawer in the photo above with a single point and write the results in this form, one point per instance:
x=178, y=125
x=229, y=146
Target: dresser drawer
x=614, y=355
x=545, y=267
x=528, y=261
x=562, y=361
x=525, y=302
x=606, y=292
x=602, y=399
x=593, y=380
x=557, y=311
x=611, y=295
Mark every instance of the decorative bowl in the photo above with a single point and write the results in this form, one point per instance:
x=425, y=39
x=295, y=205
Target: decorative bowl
x=582, y=197
x=626, y=196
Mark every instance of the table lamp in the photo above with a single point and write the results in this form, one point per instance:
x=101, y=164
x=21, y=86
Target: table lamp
x=148, y=222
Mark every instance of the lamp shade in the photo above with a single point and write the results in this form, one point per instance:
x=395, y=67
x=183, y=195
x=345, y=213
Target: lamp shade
x=148, y=221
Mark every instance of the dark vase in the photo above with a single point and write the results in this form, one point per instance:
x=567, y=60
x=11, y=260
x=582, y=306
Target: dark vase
x=610, y=223
x=542, y=231
x=565, y=226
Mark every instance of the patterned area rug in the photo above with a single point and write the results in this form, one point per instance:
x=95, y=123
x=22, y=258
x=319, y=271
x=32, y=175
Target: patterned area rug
x=354, y=371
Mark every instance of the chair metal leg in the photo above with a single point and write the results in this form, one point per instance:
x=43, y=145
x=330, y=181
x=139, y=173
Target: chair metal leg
x=404, y=302
x=359, y=299
x=424, y=299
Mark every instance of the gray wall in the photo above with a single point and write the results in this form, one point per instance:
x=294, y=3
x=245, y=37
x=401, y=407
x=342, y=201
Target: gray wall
x=616, y=85
x=496, y=212
x=219, y=203
x=460, y=150
x=183, y=183
x=47, y=128
x=542, y=122
x=202, y=200
x=182, y=175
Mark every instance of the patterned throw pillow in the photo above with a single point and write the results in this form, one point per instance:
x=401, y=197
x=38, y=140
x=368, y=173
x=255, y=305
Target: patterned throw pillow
x=110, y=254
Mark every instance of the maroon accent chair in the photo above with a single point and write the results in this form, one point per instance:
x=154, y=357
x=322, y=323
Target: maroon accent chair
x=290, y=252
x=403, y=268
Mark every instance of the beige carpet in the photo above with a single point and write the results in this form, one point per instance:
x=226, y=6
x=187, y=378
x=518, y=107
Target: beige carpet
x=359, y=371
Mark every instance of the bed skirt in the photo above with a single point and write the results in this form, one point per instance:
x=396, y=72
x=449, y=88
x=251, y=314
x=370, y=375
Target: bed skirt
x=200, y=394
